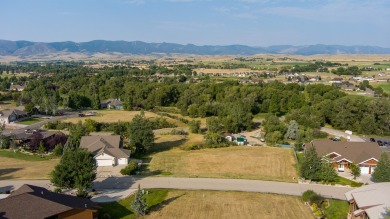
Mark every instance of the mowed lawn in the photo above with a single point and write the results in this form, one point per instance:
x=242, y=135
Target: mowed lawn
x=240, y=162
x=109, y=116
x=385, y=87
x=13, y=168
x=237, y=205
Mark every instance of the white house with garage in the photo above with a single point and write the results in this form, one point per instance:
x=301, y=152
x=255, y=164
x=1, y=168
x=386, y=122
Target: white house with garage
x=343, y=153
x=107, y=150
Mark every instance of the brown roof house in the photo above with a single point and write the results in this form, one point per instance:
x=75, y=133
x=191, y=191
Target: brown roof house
x=342, y=153
x=107, y=150
x=35, y=202
x=371, y=201
x=8, y=116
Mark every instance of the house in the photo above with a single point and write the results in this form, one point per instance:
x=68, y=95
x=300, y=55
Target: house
x=107, y=150
x=35, y=202
x=364, y=154
x=349, y=87
x=8, y=116
x=336, y=81
x=112, y=104
x=24, y=138
x=370, y=201
x=16, y=87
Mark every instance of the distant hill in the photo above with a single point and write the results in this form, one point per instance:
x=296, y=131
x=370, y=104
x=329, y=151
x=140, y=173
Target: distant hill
x=27, y=48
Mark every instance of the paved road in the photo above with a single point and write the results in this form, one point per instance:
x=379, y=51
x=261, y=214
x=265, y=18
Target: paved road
x=339, y=133
x=39, y=124
x=130, y=183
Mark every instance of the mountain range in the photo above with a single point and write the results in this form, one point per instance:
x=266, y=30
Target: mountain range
x=28, y=48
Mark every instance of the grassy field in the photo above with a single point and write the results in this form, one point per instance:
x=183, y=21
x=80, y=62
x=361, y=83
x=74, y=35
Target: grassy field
x=385, y=87
x=29, y=121
x=218, y=204
x=7, y=105
x=212, y=204
x=336, y=209
x=13, y=168
x=264, y=163
x=115, y=116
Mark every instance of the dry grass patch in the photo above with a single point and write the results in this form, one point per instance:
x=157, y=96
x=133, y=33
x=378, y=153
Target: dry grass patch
x=11, y=168
x=242, y=162
x=114, y=116
x=218, y=204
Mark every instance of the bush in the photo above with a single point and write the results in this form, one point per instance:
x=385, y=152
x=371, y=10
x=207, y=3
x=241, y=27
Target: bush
x=312, y=197
x=307, y=194
x=130, y=168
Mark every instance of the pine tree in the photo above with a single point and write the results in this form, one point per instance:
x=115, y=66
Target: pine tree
x=292, y=131
x=139, y=203
x=355, y=170
x=382, y=170
x=311, y=164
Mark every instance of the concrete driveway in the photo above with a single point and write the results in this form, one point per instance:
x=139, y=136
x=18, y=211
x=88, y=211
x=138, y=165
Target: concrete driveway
x=109, y=171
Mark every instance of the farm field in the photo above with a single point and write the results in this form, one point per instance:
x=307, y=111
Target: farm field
x=13, y=168
x=217, y=204
x=241, y=162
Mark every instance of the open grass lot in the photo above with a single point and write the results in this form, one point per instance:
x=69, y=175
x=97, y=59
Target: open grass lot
x=15, y=168
x=7, y=105
x=213, y=204
x=29, y=121
x=385, y=87
x=241, y=162
x=115, y=116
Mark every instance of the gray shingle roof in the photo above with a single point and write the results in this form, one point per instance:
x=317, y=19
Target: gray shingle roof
x=36, y=202
x=110, y=144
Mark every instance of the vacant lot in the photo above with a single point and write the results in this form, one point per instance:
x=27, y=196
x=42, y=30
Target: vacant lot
x=217, y=204
x=242, y=162
x=385, y=87
x=13, y=168
x=114, y=116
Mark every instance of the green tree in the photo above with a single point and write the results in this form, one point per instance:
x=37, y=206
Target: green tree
x=382, y=170
x=78, y=131
x=141, y=133
x=76, y=170
x=194, y=126
x=58, y=150
x=311, y=164
x=130, y=168
x=355, y=170
x=327, y=173
x=41, y=149
x=274, y=137
x=292, y=130
x=139, y=203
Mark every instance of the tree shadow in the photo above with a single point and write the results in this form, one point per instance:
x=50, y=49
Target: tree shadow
x=166, y=202
x=113, y=210
x=7, y=171
x=167, y=145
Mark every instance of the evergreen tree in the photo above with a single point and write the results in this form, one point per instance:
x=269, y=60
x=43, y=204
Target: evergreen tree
x=311, y=164
x=355, y=170
x=141, y=133
x=292, y=130
x=41, y=149
x=327, y=173
x=139, y=204
x=76, y=170
x=382, y=170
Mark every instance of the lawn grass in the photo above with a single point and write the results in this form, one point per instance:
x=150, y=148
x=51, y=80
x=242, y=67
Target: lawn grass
x=122, y=209
x=14, y=168
x=239, y=162
x=347, y=182
x=21, y=156
x=336, y=210
x=221, y=204
x=385, y=87
x=29, y=121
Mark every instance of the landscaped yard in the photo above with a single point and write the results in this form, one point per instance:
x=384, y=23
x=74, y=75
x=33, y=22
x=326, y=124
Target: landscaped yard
x=16, y=168
x=215, y=204
x=243, y=162
x=336, y=209
x=29, y=121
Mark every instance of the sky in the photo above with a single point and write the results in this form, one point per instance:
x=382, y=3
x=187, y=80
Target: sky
x=200, y=22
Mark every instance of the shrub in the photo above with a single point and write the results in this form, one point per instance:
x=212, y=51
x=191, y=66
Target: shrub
x=316, y=199
x=130, y=168
x=307, y=194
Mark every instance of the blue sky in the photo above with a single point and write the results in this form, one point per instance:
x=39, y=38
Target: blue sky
x=201, y=22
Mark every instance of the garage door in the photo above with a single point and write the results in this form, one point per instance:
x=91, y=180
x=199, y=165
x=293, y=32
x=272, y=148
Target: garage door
x=364, y=170
x=104, y=162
